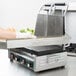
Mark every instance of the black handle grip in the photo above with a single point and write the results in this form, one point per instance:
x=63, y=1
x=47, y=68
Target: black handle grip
x=60, y=4
x=47, y=5
x=46, y=10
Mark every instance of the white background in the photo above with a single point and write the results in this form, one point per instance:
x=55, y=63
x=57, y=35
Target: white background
x=19, y=13
x=23, y=13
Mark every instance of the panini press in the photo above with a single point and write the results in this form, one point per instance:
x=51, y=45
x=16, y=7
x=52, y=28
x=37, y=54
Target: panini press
x=43, y=56
x=39, y=58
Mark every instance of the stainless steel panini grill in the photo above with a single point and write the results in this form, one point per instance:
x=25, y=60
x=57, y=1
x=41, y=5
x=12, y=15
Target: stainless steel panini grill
x=47, y=51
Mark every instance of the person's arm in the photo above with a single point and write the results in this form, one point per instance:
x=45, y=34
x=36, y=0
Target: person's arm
x=12, y=34
x=5, y=34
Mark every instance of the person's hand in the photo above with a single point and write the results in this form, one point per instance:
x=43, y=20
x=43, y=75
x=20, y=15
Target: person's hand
x=2, y=29
x=7, y=34
x=11, y=29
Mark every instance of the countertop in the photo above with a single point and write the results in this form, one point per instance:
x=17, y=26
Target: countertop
x=12, y=69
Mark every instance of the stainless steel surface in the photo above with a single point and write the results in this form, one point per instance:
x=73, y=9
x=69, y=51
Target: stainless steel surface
x=3, y=44
x=40, y=63
x=71, y=54
x=49, y=25
x=37, y=42
x=10, y=69
x=55, y=26
x=50, y=61
x=53, y=22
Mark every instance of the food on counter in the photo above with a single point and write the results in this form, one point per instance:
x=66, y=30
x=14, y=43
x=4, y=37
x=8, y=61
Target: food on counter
x=28, y=30
x=24, y=35
x=11, y=33
x=23, y=31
